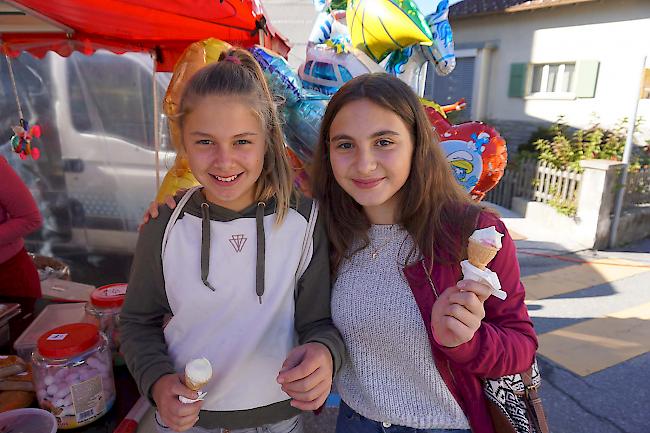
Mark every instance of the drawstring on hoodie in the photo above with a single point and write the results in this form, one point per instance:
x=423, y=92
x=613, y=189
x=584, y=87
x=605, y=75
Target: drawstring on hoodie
x=261, y=247
x=205, y=244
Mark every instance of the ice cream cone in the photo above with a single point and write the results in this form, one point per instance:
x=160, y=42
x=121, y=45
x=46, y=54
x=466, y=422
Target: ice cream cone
x=194, y=386
x=198, y=373
x=480, y=254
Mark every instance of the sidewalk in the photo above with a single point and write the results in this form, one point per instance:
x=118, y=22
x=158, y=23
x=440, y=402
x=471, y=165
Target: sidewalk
x=591, y=311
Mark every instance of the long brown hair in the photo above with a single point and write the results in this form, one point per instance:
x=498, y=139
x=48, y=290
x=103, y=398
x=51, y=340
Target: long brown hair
x=237, y=73
x=435, y=210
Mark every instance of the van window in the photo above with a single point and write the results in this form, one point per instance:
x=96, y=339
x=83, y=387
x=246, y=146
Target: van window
x=111, y=95
x=324, y=71
x=345, y=74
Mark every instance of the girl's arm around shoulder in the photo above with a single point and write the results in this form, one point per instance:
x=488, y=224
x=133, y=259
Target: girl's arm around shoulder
x=141, y=319
x=313, y=317
x=506, y=342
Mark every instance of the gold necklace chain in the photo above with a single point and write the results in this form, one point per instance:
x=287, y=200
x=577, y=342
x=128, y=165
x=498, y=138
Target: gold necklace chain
x=374, y=252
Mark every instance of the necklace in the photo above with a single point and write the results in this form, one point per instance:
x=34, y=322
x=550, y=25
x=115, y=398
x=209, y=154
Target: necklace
x=374, y=252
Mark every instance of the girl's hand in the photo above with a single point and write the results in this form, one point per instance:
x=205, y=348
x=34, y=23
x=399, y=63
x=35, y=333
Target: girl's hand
x=174, y=414
x=457, y=313
x=306, y=375
x=152, y=210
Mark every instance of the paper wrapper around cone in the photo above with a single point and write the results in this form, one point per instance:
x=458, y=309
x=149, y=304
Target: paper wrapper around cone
x=194, y=386
x=480, y=254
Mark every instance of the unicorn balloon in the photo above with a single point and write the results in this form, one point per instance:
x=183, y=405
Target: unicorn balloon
x=441, y=52
x=409, y=63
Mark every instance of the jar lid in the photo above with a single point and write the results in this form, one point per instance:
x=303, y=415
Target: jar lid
x=110, y=296
x=68, y=340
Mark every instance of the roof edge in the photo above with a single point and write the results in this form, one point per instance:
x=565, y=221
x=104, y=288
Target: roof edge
x=459, y=11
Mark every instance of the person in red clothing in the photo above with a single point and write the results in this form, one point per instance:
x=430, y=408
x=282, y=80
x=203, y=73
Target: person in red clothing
x=19, y=216
x=419, y=341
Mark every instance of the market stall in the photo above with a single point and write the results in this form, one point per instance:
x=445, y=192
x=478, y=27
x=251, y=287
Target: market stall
x=161, y=31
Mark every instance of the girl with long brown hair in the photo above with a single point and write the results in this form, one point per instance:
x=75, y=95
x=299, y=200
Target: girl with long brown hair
x=418, y=340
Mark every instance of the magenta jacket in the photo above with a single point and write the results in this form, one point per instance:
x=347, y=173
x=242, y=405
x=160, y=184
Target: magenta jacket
x=19, y=215
x=504, y=344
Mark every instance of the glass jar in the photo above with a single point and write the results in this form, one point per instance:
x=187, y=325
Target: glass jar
x=73, y=374
x=104, y=311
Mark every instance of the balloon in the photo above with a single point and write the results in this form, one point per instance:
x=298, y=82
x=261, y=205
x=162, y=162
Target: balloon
x=21, y=141
x=302, y=125
x=378, y=27
x=325, y=70
x=178, y=177
x=301, y=178
x=441, y=52
x=196, y=56
x=322, y=29
x=281, y=79
x=475, y=151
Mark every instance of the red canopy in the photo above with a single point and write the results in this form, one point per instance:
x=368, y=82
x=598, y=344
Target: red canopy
x=164, y=27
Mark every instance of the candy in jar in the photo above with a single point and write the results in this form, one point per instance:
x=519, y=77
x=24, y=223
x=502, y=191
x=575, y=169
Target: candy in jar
x=73, y=375
x=104, y=311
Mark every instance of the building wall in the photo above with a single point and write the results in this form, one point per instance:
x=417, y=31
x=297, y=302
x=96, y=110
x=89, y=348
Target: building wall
x=294, y=19
x=615, y=33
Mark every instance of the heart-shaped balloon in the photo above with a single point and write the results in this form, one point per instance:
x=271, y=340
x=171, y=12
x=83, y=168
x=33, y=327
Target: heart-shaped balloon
x=475, y=151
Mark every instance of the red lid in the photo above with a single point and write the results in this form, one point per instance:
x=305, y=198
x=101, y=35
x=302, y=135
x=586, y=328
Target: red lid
x=68, y=340
x=110, y=296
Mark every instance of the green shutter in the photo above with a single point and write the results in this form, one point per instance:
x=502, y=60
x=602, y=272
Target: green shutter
x=516, y=87
x=586, y=78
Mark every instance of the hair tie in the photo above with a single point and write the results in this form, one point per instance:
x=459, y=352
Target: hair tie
x=233, y=59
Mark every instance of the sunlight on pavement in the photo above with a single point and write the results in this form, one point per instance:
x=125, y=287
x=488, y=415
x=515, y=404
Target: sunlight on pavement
x=581, y=276
x=596, y=344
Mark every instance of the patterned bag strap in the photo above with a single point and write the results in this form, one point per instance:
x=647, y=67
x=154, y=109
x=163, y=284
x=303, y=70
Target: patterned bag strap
x=533, y=402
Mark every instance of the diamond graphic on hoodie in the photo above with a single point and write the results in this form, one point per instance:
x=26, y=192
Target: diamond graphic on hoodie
x=237, y=242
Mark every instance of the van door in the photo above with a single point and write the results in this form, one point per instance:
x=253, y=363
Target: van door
x=104, y=115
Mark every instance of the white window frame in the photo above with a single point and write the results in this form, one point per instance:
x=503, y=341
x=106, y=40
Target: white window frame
x=544, y=82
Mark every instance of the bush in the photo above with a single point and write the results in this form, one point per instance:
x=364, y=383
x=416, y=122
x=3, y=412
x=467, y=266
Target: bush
x=563, y=150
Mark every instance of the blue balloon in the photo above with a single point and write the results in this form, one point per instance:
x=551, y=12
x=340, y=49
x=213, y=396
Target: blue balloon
x=302, y=125
x=279, y=76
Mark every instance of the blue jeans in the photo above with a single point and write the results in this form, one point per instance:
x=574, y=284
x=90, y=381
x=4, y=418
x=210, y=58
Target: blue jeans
x=349, y=421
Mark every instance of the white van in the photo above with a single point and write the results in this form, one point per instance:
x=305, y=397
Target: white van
x=97, y=171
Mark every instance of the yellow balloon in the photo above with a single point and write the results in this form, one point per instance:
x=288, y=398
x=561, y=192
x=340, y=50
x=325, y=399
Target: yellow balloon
x=378, y=27
x=177, y=178
x=196, y=56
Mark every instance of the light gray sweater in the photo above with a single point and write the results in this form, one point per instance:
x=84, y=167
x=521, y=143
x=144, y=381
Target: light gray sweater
x=389, y=374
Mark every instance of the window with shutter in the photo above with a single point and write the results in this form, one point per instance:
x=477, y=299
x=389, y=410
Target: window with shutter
x=586, y=78
x=516, y=86
x=552, y=78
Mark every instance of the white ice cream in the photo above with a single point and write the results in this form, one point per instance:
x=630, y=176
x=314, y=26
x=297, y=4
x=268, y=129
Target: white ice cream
x=198, y=370
x=489, y=236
